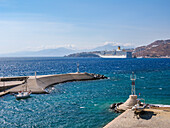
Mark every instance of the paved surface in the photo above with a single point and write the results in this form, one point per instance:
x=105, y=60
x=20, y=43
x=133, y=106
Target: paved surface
x=38, y=84
x=151, y=118
x=10, y=83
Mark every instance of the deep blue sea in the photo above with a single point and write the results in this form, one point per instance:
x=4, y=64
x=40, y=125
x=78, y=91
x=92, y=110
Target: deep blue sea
x=83, y=104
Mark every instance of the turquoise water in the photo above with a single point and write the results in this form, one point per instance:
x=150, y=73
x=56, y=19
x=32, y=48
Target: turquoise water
x=82, y=104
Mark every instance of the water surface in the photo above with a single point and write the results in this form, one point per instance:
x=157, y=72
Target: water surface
x=83, y=104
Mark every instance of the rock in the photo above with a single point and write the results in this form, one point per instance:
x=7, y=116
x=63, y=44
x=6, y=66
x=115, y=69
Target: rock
x=113, y=106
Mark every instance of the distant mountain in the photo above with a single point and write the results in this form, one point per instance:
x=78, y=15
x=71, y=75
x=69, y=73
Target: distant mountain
x=58, y=52
x=108, y=47
x=159, y=48
x=98, y=50
x=83, y=54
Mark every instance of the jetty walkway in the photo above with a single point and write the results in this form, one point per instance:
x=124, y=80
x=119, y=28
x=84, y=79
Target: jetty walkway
x=150, y=118
x=38, y=84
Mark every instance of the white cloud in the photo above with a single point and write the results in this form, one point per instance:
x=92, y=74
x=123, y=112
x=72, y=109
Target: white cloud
x=42, y=47
x=118, y=43
x=71, y=46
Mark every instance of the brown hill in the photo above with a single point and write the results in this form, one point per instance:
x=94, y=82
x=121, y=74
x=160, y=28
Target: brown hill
x=159, y=48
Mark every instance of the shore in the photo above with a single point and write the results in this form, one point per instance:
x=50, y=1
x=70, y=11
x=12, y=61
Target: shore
x=154, y=117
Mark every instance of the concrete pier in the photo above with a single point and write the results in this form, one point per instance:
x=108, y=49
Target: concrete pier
x=38, y=84
x=150, y=118
x=130, y=102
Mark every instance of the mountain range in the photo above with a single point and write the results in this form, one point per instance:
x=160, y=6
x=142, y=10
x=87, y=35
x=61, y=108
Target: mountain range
x=159, y=48
x=57, y=52
x=109, y=47
x=42, y=53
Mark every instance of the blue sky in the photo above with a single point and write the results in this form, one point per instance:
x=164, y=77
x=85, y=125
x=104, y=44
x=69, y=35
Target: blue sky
x=39, y=24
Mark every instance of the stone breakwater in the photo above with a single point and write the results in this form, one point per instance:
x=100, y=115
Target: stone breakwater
x=38, y=84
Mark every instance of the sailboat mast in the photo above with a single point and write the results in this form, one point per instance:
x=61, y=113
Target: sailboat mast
x=26, y=84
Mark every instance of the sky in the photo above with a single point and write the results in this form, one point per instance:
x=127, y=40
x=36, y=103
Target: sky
x=80, y=24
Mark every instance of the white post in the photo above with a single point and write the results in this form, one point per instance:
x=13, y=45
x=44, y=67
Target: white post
x=26, y=84
x=78, y=68
x=133, y=78
x=35, y=75
x=4, y=83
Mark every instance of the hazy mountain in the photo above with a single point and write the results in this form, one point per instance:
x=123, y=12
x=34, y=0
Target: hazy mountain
x=58, y=52
x=46, y=52
x=109, y=47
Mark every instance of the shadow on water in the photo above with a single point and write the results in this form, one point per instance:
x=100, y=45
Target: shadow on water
x=146, y=115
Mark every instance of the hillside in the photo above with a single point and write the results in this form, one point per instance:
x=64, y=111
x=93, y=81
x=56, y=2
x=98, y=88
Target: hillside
x=159, y=48
x=83, y=54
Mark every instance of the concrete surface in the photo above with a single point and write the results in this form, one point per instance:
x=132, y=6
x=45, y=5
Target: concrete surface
x=40, y=83
x=150, y=118
x=130, y=102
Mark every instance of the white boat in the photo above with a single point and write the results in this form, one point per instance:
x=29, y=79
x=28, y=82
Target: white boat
x=138, y=108
x=112, y=56
x=23, y=95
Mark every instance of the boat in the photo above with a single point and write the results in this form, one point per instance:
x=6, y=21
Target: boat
x=23, y=94
x=115, y=54
x=112, y=56
x=139, y=107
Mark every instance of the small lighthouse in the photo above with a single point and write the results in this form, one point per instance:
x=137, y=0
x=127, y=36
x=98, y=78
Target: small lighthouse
x=132, y=100
x=133, y=78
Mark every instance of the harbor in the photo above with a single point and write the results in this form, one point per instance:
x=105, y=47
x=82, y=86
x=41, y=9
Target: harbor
x=84, y=64
x=38, y=84
x=87, y=102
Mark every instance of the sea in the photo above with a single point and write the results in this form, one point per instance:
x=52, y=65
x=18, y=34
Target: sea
x=82, y=104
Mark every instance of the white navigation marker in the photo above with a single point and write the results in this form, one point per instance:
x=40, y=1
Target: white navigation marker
x=133, y=78
x=78, y=68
